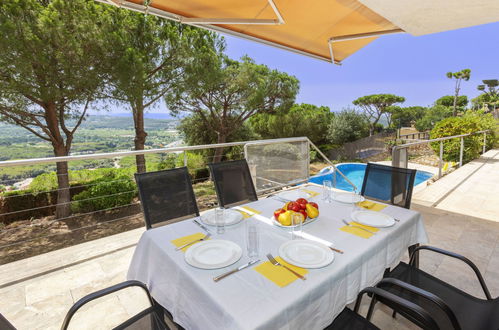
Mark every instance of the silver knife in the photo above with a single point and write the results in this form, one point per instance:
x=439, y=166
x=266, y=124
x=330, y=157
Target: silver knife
x=202, y=226
x=219, y=277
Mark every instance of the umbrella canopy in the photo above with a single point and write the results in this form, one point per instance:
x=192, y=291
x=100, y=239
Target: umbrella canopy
x=329, y=30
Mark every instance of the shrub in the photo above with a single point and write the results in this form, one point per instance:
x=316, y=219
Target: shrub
x=195, y=164
x=347, y=126
x=23, y=204
x=469, y=123
x=105, y=193
x=432, y=116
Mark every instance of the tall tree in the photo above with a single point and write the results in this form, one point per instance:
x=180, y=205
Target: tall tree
x=448, y=101
x=374, y=106
x=459, y=76
x=405, y=117
x=300, y=120
x=490, y=96
x=224, y=93
x=150, y=55
x=51, y=68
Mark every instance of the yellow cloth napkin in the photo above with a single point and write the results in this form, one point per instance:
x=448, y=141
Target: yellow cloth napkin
x=371, y=206
x=249, y=209
x=311, y=192
x=359, y=232
x=278, y=274
x=187, y=239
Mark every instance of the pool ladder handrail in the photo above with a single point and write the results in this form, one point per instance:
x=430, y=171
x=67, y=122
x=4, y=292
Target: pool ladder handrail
x=336, y=170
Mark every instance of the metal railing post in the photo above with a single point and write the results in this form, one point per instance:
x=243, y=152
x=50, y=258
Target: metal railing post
x=185, y=158
x=461, y=151
x=440, y=162
x=484, y=142
x=395, y=157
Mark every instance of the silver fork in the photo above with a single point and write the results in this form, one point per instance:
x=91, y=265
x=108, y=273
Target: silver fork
x=190, y=243
x=276, y=263
x=349, y=224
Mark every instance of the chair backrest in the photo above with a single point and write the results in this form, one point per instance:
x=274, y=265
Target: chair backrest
x=150, y=318
x=389, y=184
x=166, y=195
x=233, y=182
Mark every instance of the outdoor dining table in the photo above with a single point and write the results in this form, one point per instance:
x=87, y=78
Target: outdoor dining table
x=247, y=299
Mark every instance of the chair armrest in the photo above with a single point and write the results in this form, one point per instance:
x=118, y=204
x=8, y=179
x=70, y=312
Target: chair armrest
x=427, y=322
x=423, y=294
x=101, y=293
x=456, y=256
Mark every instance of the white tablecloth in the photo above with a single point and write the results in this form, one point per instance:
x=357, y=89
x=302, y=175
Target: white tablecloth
x=248, y=300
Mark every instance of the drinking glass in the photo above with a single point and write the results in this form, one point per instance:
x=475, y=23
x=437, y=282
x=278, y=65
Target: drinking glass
x=327, y=186
x=219, y=220
x=297, y=223
x=252, y=239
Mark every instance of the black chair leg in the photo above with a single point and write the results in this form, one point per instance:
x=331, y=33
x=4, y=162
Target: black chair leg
x=394, y=314
x=371, y=309
x=416, y=257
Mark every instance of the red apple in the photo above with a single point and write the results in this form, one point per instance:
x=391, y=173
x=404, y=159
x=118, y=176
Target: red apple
x=314, y=205
x=304, y=213
x=278, y=212
x=293, y=206
x=303, y=203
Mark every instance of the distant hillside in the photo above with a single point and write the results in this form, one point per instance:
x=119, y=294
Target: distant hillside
x=146, y=115
x=125, y=121
x=113, y=121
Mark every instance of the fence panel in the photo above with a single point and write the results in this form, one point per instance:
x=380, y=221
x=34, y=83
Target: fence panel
x=362, y=148
x=278, y=164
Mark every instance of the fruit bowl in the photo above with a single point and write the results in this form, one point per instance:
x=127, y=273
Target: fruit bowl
x=309, y=211
x=306, y=222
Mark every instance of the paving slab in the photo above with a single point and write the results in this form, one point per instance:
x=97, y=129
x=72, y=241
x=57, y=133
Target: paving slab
x=472, y=189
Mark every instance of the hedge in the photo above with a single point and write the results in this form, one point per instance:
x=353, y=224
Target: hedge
x=470, y=122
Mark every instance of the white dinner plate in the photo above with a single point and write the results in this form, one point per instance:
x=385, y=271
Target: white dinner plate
x=347, y=198
x=231, y=217
x=373, y=219
x=213, y=254
x=306, y=254
x=278, y=224
x=293, y=195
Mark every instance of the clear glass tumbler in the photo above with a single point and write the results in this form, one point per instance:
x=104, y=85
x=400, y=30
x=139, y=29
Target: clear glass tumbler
x=252, y=239
x=297, y=223
x=327, y=186
x=219, y=220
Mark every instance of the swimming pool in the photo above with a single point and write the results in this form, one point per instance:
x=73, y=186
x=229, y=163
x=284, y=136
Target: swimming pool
x=355, y=172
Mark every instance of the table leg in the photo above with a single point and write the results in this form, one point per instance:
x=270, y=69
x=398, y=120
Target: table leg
x=416, y=257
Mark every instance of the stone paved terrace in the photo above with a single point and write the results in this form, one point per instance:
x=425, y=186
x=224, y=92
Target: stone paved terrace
x=473, y=189
x=36, y=293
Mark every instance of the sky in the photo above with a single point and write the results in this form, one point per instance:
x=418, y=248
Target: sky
x=413, y=67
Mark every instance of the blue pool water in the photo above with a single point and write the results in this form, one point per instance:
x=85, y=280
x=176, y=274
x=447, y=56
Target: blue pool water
x=355, y=172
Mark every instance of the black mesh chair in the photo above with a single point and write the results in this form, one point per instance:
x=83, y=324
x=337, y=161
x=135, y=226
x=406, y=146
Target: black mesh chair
x=233, y=182
x=5, y=324
x=166, y=195
x=351, y=320
x=448, y=305
x=150, y=318
x=389, y=184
